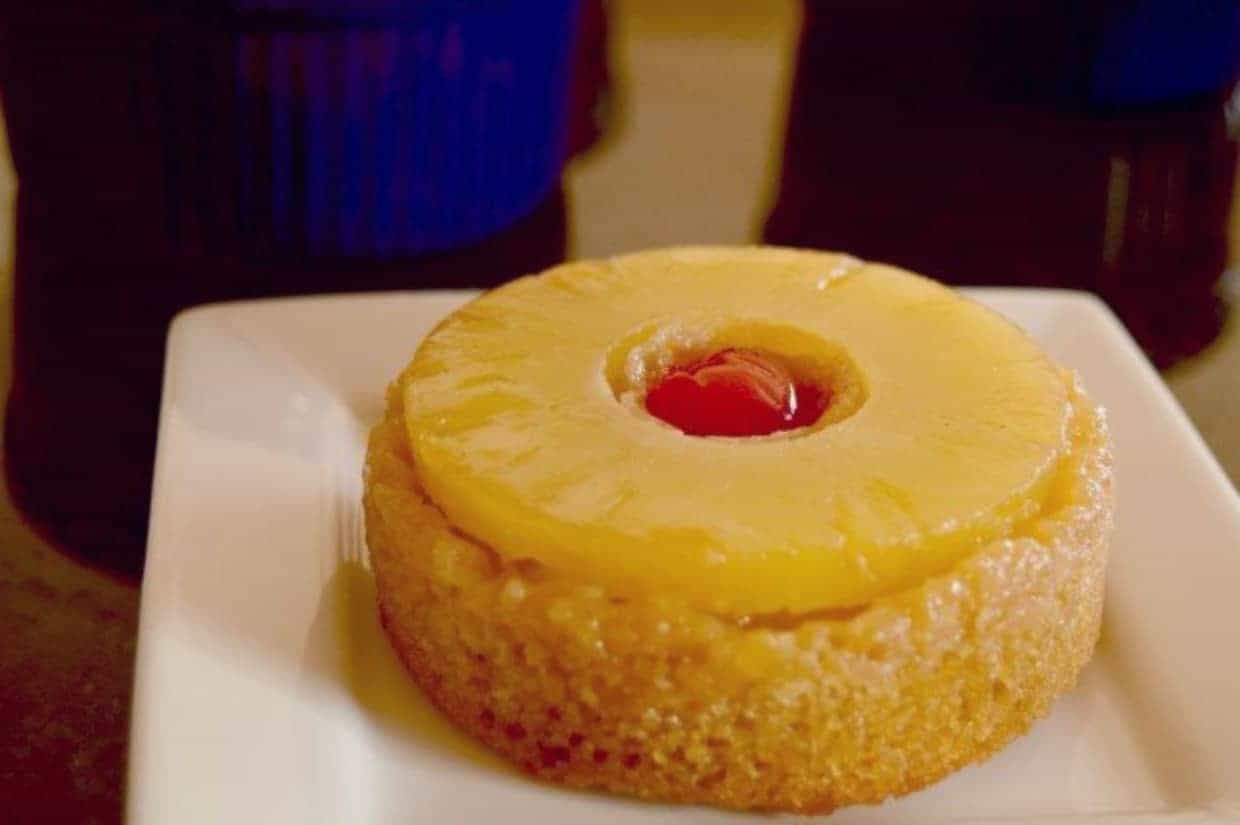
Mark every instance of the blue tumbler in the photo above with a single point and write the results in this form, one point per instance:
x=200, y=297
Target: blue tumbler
x=379, y=129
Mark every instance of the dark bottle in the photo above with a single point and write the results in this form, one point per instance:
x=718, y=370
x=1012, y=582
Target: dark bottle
x=174, y=154
x=1066, y=144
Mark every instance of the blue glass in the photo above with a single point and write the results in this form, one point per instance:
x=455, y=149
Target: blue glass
x=387, y=129
x=1155, y=51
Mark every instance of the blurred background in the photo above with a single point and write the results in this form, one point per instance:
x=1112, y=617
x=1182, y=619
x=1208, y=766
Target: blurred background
x=279, y=148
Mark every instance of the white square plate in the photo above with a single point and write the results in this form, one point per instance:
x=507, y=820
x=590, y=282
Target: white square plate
x=266, y=691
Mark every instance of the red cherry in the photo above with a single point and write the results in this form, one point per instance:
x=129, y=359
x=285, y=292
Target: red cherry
x=734, y=392
x=812, y=401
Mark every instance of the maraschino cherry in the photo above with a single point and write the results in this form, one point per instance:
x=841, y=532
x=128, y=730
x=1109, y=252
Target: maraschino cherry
x=734, y=392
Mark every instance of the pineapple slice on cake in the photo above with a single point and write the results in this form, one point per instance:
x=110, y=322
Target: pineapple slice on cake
x=922, y=426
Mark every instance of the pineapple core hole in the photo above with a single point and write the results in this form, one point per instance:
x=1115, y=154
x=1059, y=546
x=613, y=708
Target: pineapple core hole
x=734, y=379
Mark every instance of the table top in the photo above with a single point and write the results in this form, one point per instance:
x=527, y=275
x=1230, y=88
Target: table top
x=69, y=632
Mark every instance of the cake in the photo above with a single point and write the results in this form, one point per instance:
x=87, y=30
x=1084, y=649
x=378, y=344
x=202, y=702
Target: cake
x=758, y=528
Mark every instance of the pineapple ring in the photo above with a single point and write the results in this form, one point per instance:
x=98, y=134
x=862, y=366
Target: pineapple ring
x=951, y=427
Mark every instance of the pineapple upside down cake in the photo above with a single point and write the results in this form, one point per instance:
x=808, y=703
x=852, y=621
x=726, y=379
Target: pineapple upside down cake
x=751, y=527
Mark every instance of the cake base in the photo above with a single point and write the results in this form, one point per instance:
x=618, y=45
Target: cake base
x=647, y=696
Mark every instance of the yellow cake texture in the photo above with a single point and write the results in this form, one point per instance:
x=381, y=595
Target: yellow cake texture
x=818, y=617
